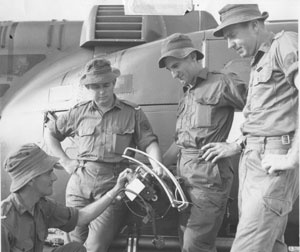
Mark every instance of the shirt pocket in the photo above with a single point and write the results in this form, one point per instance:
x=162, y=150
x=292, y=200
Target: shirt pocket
x=86, y=137
x=263, y=93
x=122, y=139
x=202, y=116
x=203, y=111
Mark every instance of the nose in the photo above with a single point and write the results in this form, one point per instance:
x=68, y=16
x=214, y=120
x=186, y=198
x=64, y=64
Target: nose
x=230, y=43
x=174, y=73
x=54, y=177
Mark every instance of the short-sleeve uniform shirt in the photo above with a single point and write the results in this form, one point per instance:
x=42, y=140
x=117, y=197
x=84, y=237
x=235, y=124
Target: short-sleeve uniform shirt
x=206, y=111
x=26, y=232
x=272, y=103
x=104, y=136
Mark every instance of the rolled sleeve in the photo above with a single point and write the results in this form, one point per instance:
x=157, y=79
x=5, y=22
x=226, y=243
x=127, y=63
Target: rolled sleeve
x=71, y=224
x=235, y=91
x=62, y=127
x=287, y=55
x=144, y=133
x=59, y=216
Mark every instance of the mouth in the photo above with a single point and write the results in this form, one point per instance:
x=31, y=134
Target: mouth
x=239, y=50
x=180, y=78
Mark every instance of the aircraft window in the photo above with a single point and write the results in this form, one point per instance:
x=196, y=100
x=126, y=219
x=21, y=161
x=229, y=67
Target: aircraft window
x=3, y=89
x=17, y=65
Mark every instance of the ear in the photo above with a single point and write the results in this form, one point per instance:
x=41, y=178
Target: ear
x=30, y=183
x=255, y=25
x=193, y=56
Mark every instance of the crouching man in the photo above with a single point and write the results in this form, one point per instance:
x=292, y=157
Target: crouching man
x=27, y=213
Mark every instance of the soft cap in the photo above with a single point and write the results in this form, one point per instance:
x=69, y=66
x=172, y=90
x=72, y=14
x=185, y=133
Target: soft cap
x=238, y=13
x=179, y=46
x=28, y=162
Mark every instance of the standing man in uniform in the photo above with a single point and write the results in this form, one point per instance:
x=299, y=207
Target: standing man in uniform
x=102, y=128
x=27, y=213
x=205, y=114
x=269, y=165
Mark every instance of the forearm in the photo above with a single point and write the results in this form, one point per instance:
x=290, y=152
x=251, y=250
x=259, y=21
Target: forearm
x=154, y=151
x=170, y=156
x=293, y=154
x=92, y=211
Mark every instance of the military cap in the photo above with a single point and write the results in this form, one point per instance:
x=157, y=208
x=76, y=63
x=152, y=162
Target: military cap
x=99, y=71
x=28, y=162
x=179, y=46
x=238, y=13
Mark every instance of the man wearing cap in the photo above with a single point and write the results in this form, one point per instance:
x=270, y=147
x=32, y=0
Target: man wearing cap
x=27, y=213
x=205, y=114
x=269, y=165
x=102, y=128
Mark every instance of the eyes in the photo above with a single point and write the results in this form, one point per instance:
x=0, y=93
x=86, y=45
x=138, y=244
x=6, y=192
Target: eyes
x=173, y=66
x=100, y=86
x=230, y=35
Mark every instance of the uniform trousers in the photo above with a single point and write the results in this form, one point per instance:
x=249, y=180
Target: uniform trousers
x=70, y=247
x=264, y=200
x=207, y=186
x=87, y=184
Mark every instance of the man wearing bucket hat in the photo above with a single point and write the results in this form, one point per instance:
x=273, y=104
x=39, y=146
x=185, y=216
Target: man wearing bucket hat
x=269, y=165
x=205, y=114
x=102, y=128
x=27, y=213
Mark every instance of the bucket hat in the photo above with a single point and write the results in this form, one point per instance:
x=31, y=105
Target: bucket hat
x=99, y=71
x=179, y=46
x=238, y=13
x=28, y=162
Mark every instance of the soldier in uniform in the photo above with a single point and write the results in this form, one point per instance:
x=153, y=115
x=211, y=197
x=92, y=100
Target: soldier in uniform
x=269, y=165
x=102, y=128
x=27, y=213
x=205, y=114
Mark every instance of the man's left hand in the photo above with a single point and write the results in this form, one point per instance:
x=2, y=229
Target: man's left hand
x=159, y=171
x=274, y=163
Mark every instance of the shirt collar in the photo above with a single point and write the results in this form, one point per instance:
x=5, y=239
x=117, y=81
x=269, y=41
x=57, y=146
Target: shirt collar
x=116, y=103
x=19, y=203
x=201, y=76
x=264, y=48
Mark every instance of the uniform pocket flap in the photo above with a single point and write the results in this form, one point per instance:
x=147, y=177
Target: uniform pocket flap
x=263, y=75
x=280, y=207
x=86, y=131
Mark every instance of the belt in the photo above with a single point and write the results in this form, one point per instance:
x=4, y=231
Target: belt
x=284, y=139
x=104, y=167
x=192, y=152
x=269, y=142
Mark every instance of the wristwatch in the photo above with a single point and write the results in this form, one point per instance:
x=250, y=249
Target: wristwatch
x=241, y=141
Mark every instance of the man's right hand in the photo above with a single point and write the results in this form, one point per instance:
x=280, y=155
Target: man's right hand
x=216, y=151
x=123, y=178
x=69, y=164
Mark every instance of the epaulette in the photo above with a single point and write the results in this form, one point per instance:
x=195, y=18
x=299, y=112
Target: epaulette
x=81, y=103
x=5, y=207
x=278, y=35
x=216, y=72
x=131, y=104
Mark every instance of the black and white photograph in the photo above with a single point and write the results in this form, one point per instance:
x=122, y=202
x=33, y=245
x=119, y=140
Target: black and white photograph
x=149, y=125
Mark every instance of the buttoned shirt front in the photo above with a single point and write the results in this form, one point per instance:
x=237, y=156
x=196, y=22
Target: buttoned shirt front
x=272, y=100
x=104, y=136
x=23, y=231
x=206, y=111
